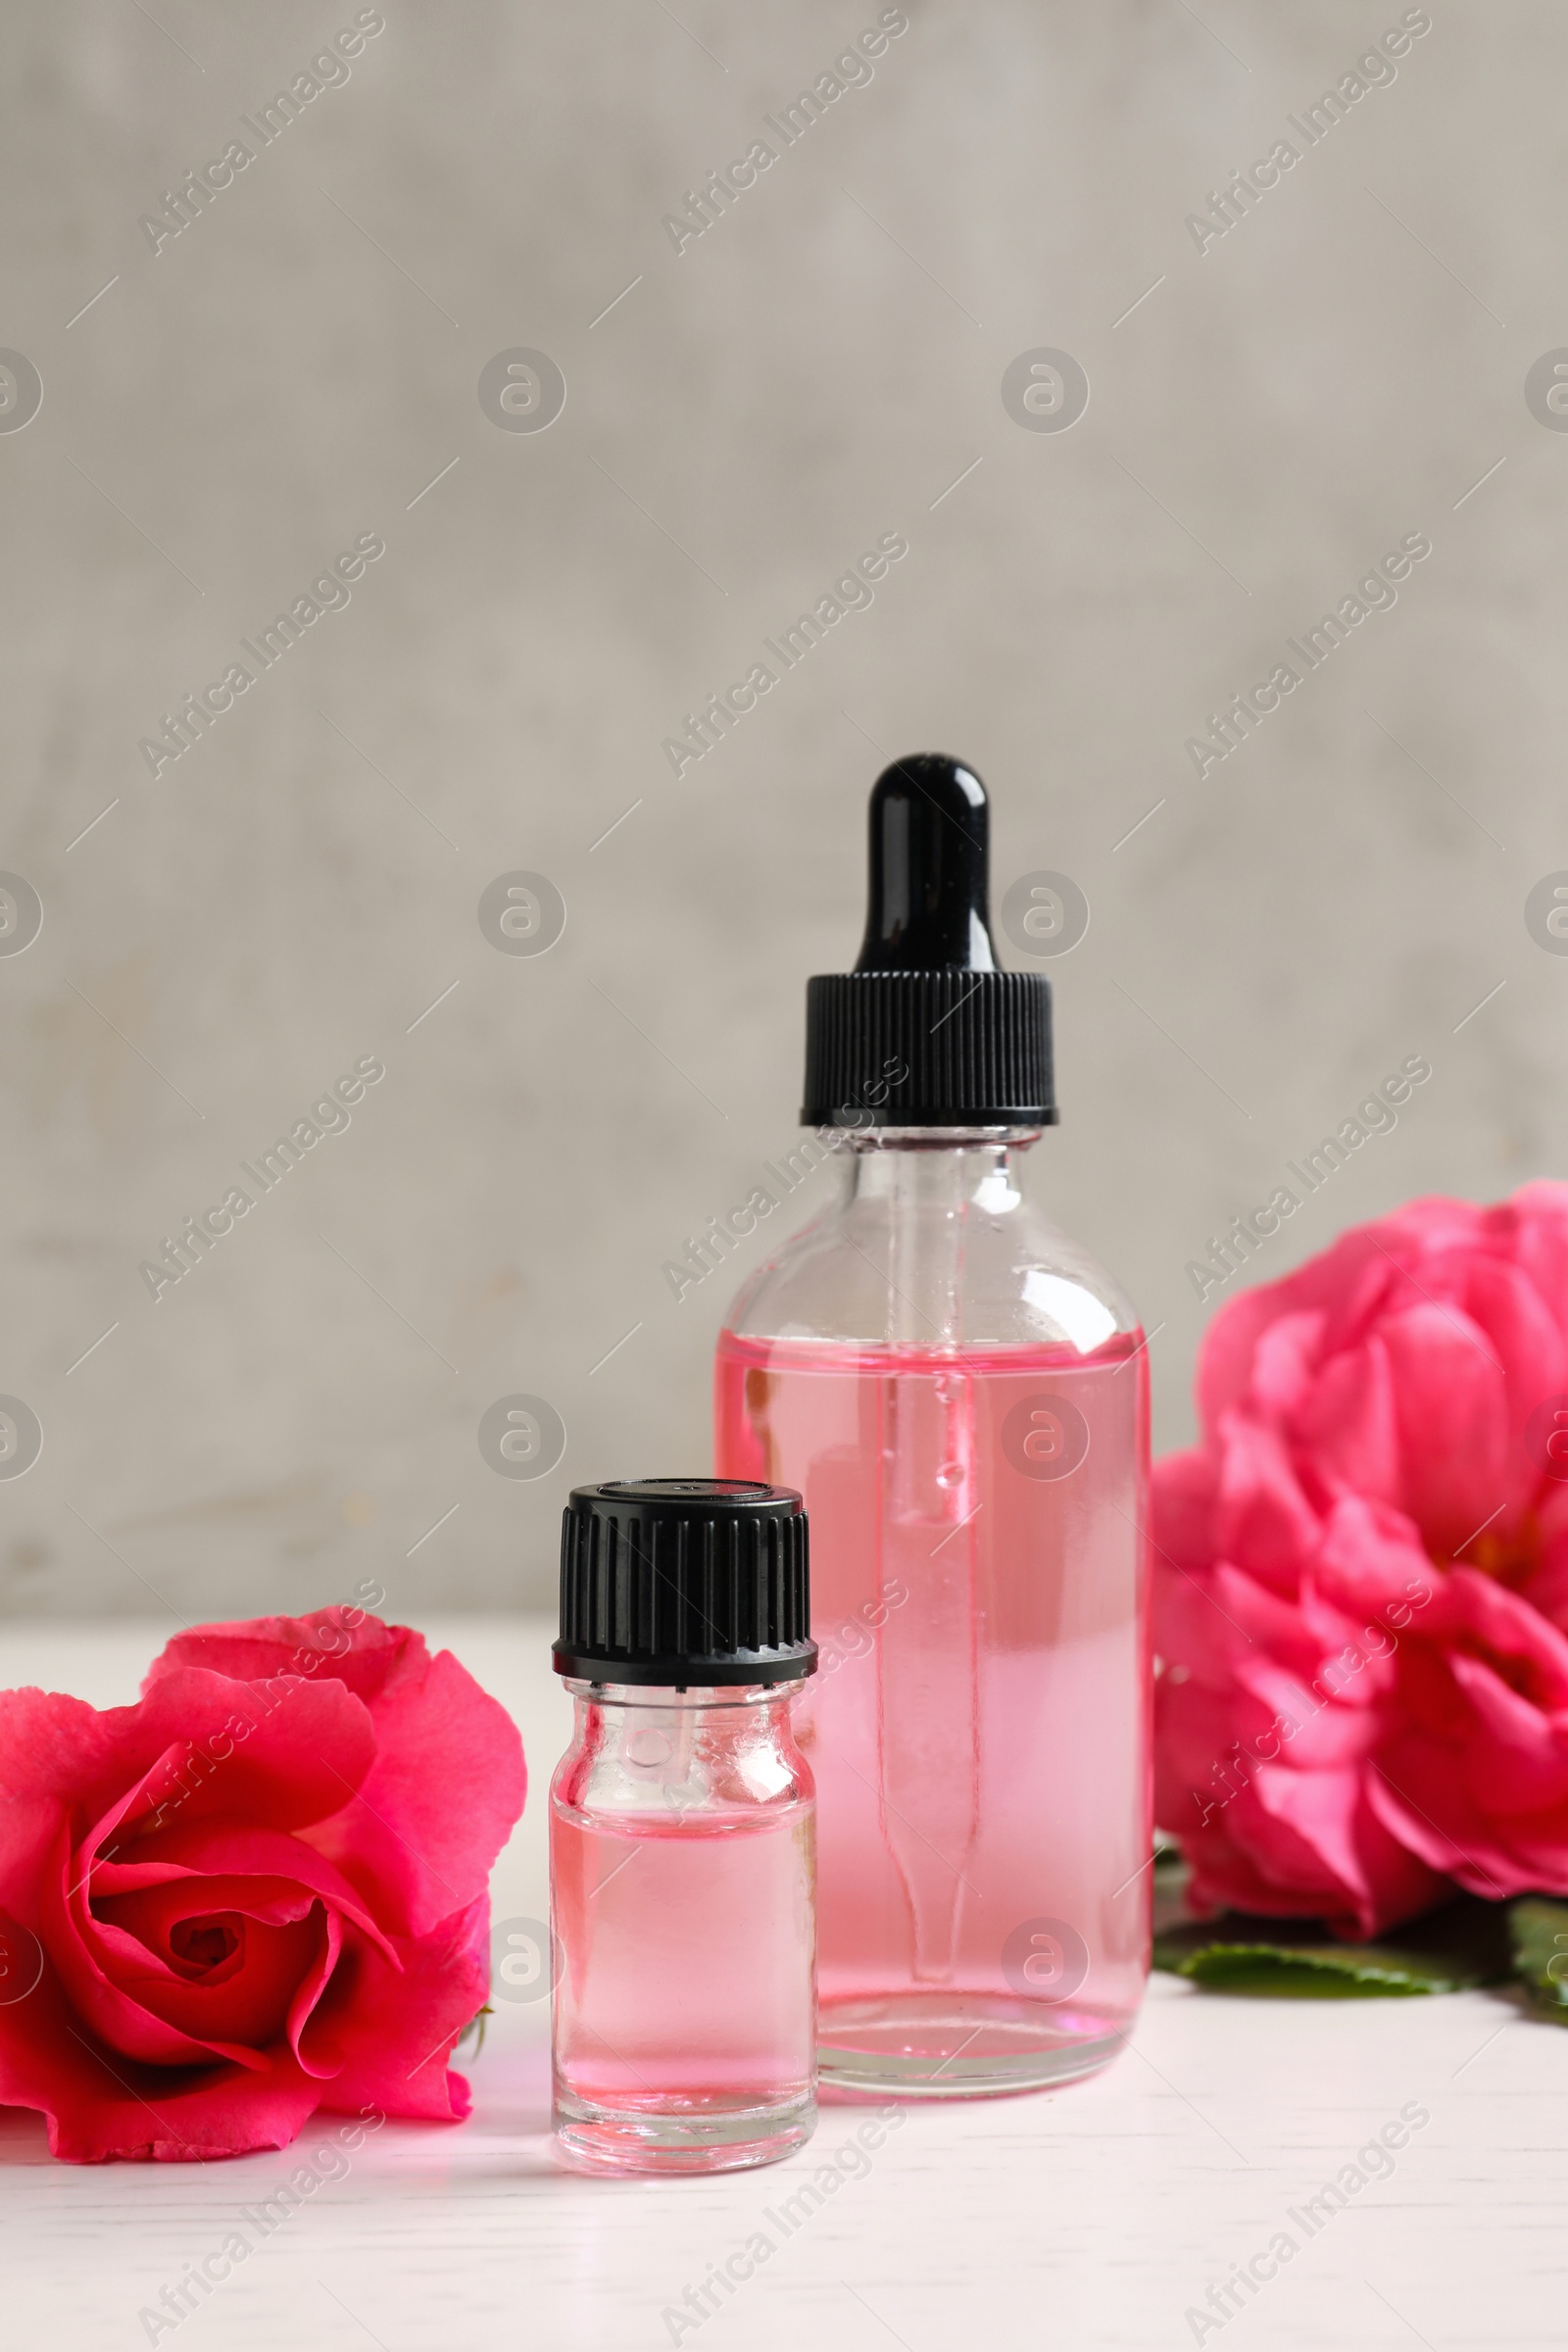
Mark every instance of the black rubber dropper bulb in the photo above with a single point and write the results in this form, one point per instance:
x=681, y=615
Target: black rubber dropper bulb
x=928, y=906
x=929, y=1030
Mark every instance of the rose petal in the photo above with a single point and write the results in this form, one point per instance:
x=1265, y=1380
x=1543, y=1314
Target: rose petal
x=101, y=2104
x=1285, y=1363
x=280, y=1935
x=1371, y=1562
x=298, y=1752
x=1348, y=1425
x=1263, y=1521
x=1454, y=1423
x=236, y=1848
x=1182, y=1491
x=435, y=1731
x=396, y=2031
x=1375, y=1878
x=324, y=2056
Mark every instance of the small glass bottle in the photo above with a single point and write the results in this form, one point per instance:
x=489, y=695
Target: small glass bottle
x=682, y=1818
x=960, y=1393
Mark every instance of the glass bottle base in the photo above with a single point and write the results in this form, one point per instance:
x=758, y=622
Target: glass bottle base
x=696, y=2138
x=962, y=2045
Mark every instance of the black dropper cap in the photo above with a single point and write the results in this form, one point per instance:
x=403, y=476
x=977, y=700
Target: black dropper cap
x=684, y=1581
x=928, y=1031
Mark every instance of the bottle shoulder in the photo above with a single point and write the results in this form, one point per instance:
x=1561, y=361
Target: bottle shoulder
x=995, y=1272
x=657, y=1777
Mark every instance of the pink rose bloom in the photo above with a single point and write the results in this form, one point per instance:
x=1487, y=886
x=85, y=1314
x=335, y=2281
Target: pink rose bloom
x=1361, y=1580
x=260, y=1891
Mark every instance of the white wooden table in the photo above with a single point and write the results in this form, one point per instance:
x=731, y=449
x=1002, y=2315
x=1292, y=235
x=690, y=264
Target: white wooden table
x=1099, y=2215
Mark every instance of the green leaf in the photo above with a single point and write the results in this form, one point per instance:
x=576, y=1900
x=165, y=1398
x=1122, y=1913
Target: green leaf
x=1463, y=1944
x=1538, y=1927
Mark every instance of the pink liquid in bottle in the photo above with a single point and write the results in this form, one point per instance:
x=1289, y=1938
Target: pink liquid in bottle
x=686, y=1963
x=978, y=1725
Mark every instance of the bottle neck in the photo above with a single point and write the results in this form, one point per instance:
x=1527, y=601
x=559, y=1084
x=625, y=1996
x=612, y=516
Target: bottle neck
x=656, y=1752
x=916, y=1194
x=630, y=1703
x=936, y=1169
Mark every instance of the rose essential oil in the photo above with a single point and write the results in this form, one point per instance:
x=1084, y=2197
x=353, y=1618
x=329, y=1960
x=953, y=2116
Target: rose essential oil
x=960, y=1394
x=681, y=1829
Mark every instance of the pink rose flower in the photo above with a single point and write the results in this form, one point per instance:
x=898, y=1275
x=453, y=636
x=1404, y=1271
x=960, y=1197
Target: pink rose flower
x=260, y=1891
x=1361, y=1575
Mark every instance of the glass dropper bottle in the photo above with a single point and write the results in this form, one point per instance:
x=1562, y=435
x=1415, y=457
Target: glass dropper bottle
x=960, y=1393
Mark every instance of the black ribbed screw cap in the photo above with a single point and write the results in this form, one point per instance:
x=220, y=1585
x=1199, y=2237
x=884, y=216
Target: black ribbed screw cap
x=684, y=1581
x=927, y=1031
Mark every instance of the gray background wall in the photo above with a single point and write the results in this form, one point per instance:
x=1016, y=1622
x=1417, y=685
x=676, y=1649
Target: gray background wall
x=295, y=367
